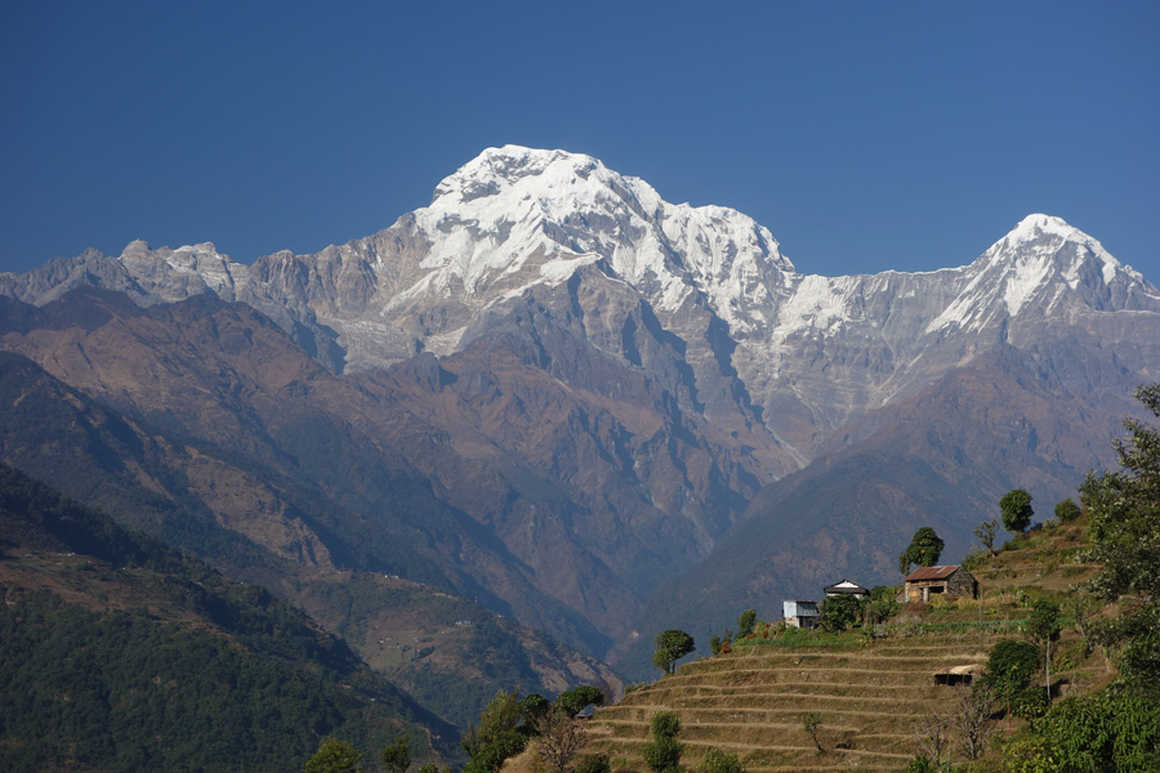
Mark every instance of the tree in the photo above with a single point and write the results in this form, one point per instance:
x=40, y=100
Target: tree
x=972, y=720
x=924, y=549
x=498, y=736
x=883, y=602
x=1112, y=730
x=837, y=613
x=812, y=723
x=717, y=761
x=663, y=753
x=746, y=621
x=671, y=646
x=1015, y=509
x=1083, y=607
x=532, y=707
x=572, y=701
x=932, y=733
x=715, y=644
x=1043, y=626
x=1010, y=666
x=1067, y=510
x=334, y=756
x=561, y=737
x=1123, y=509
x=397, y=756
x=1119, y=728
x=986, y=534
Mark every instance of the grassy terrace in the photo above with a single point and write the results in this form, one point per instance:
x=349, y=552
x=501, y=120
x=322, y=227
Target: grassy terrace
x=871, y=693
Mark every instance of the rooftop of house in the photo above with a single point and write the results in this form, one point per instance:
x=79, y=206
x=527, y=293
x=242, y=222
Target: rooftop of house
x=932, y=573
x=845, y=586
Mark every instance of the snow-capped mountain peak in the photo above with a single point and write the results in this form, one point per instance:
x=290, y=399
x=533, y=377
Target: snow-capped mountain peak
x=1046, y=234
x=1042, y=262
x=514, y=216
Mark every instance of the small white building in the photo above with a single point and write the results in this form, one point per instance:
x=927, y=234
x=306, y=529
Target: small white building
x=800, y=614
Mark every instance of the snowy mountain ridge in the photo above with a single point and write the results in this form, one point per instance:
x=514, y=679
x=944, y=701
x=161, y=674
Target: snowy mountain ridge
x=588, y=371
x=518, y=222
x=514, y=205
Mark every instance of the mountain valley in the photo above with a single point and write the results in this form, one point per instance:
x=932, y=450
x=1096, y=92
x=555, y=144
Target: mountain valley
x=560, y=398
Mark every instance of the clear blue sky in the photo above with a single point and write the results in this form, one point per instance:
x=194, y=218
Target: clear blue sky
x=866, y=136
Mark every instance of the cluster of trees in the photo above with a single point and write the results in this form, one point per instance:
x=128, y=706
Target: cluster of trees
x=505, y=728
x=1015, y=512
x=122, y=691
x=509, y=722
x=210, y=675
x=1119, y=727
x=839, y=613
x=662, y=754
x=336, y=756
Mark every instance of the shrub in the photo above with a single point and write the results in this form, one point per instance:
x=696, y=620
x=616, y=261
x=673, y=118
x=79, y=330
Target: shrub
x=663, y=755
x=974, y=559
x=665, y=724
x=594, y=763
x=572, y=701
x=837, y=613
x=745, y=622
x=921, y=764
x=717, y=761
x=1029, y=703
x=1067, y=511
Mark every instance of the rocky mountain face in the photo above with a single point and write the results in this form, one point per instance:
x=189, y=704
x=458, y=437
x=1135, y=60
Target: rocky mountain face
x=598, y=390
x=264, y=525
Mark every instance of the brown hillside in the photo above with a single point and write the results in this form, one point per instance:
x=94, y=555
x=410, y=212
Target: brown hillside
x=874, y=694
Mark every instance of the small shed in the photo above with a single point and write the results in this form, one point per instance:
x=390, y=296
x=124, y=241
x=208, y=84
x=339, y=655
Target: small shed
x=960, y=675
x=800, y=614
x=847, y=588
x=928, y=580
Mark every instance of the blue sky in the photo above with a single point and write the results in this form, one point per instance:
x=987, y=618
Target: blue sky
x=866, y=136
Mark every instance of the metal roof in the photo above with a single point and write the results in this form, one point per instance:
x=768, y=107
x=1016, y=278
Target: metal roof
x=932, y=573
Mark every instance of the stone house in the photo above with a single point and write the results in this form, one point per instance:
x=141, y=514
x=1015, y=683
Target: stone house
x=926, y=581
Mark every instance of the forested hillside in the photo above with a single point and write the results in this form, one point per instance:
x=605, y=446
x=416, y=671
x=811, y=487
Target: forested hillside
x=117, y=653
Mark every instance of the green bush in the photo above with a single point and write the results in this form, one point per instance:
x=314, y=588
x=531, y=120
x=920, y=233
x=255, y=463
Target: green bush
x=921, y=764
x=717, y=761
x=594, y=763
x=1067, y=511
x=1030, y=702
x=665, y=724
x=572, y=701
x=663, y=755
x=745, y=622
x=837, y=613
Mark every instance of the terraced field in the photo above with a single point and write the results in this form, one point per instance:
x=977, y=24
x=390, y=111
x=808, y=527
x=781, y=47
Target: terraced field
x=873, y=698
x=751, y=701
x=872, y=695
